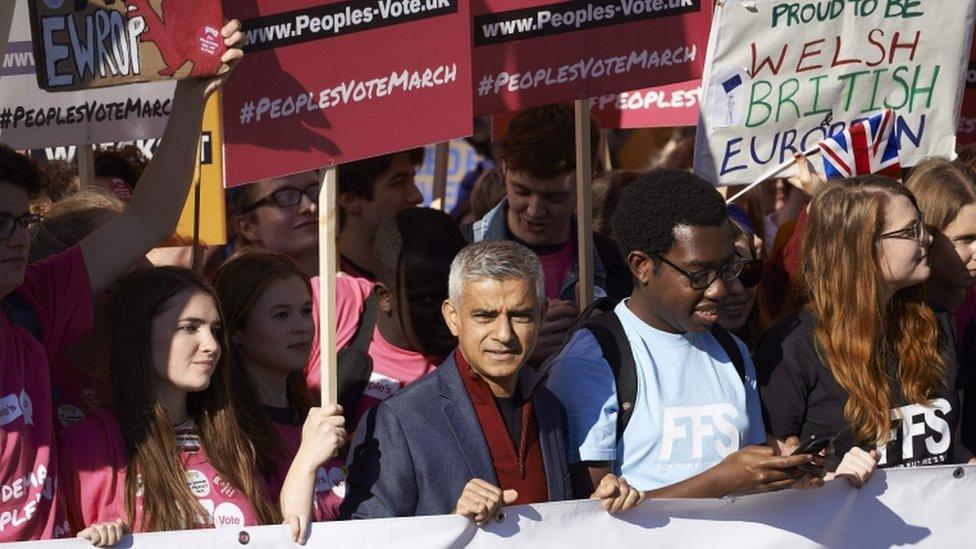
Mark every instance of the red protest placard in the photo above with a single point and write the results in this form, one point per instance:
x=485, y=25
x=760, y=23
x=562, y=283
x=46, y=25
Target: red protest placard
x=966, y=130
x=94, y=43
x=660, y=107
x=552, y=52
x=325, y=82
x=663, y=107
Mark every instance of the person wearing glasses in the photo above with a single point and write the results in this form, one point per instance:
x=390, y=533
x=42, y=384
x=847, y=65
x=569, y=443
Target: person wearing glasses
x=281, y=216
x=695, y=426
x=866, y=360
x=738, y=314
x=47, y=306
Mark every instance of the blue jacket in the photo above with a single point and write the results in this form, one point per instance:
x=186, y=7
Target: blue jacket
x=414, y=452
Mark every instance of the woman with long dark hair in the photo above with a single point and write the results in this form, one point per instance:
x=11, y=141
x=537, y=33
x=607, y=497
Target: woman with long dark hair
x=866, y=359
x=267, y=303
x=173, y=454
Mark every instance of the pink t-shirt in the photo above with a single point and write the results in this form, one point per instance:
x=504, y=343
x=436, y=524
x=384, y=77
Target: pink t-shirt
x=93, y=470
x=74, y=393
x=555, y=267
x=326, y=502
x=393, y=368
x=59, y=292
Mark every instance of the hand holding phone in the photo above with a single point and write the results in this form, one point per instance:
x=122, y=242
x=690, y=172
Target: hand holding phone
x=815, y=446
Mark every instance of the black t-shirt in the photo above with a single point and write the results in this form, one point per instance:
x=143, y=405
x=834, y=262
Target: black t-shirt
x=967, y=357
x=511, y=410
x=800, y=397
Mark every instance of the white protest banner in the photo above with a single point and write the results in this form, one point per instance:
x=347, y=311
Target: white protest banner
x=781, y=76
x=921, y=507
x=34, y=119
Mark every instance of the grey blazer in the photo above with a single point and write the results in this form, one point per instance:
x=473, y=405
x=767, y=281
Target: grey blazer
x=413, y=453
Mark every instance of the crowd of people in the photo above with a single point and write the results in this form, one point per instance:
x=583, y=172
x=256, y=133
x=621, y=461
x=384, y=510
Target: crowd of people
x=819, y=331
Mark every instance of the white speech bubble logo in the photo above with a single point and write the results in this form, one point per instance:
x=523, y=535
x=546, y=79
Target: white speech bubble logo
x=28, y=407
x=9, y=409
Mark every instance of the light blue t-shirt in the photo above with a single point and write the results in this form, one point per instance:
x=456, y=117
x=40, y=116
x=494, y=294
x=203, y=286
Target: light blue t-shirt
x=691, y=411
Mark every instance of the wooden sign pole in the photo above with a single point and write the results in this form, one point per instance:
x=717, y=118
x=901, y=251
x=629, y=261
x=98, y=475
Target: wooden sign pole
x=442, y=154
x=85, y=155
x=584, y=209
x=328, y=255
x=197, y=250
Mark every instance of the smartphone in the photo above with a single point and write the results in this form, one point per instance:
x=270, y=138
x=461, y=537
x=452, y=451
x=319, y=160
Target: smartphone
x=814, y=444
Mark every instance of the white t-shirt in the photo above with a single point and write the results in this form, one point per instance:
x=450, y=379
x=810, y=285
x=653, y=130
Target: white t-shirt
x=691, y=411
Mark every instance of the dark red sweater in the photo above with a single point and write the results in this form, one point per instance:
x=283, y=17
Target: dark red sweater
x=521, y=469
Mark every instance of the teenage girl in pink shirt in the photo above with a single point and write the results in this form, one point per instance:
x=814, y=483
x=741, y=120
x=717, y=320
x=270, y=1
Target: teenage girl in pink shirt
x=267, y=304
x=173, y=454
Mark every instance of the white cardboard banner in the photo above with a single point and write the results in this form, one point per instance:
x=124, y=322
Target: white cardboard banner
x=921, y=507
x=782, y=76
x=34, y=119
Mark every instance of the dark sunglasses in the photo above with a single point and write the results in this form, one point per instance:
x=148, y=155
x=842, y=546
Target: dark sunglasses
x=286, y=197
x=751, y=273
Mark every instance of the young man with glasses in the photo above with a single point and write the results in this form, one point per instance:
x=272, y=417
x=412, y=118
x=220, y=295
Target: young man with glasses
x=281, y=215
x=695, y=428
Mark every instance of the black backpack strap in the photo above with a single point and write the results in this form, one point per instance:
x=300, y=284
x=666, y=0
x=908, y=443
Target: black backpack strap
x=728, y=343
x=19, y=311
x=609, y=333
x=354, y=366
x=597, y=308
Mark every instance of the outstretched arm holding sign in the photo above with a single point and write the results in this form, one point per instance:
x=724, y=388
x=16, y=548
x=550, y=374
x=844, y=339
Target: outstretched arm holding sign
x=156, y=204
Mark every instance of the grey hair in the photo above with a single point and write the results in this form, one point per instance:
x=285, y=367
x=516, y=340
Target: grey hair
x=495, y=260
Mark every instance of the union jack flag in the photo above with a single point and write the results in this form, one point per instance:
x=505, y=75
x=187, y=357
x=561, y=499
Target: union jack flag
x=869, y=146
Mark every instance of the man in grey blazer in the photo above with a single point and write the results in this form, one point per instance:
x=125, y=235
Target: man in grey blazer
x=482, y=431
